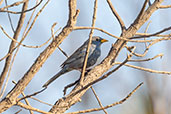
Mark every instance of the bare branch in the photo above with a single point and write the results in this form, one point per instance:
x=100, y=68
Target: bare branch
x=111, y=105
x=89, y=43
x=126, y=39
x=164, y=6
x=70, y=85
x=1, y=10
x=9, y=17
x=148, y=47
x=14, y=4
x=84, y=27
x=116, y=15
x=158, y=35
x=148, y=59
x=40, y=101
x=16, y=34
x=31, y=108
x=18, y=111
x=10, y=99
x=145, y=69
x=53, y=36
x=26, y=100
x=154, y=34
x=142, y=9
x=98, y=100
x=34, y=94
x=5, y=85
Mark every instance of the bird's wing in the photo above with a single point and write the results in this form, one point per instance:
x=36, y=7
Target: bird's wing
x=78, y=54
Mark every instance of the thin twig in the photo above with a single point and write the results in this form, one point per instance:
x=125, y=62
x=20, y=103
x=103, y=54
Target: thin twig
x=8, y=76
x=154, y=34
x=145, y=69
x=23, y=11
x=9, y=17
x=26, y=33
x=24, y=45
x=148, y=59
x=29, y=21
x=142, y=10
x=111, y=105
x=18, y=111
x=34, y=94
x=34, y=20
x=122, y=25
x=53, y=36
x=98, y=100
x=148, y=47
x=99, y=29
x=146, y=32
x=35, y=67
x=31, y=108
x=12, y=45
x=158, y=35
x=89, y=43
x=14, y=4
x=40, y=101
x=70, y=85
x=126, y=39
x=164, y=6
x=27, y=102
x=52, y=30
x=32, y=98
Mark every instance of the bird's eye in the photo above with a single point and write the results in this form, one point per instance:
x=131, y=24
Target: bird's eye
x=97, y=39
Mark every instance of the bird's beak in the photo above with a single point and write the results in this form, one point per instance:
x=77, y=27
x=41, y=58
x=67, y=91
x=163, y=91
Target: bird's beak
x=104, y=40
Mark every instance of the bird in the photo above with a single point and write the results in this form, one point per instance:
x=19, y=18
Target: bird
x=76, y=60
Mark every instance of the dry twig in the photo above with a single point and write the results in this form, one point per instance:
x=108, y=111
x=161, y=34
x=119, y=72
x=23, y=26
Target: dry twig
x=116, y=15
x=111, y=105
x=89, y=43
x=31, y=108
x=98, y=100
x=12, y=45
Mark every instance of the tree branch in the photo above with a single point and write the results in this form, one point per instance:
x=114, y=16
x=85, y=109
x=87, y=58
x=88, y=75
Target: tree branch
x=11, y=98
x=16, y=34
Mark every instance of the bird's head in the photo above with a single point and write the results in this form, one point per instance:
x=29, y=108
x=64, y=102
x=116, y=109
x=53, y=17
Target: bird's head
x=98, y=40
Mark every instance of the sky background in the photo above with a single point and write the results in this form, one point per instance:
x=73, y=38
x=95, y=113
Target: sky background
x=152, y=98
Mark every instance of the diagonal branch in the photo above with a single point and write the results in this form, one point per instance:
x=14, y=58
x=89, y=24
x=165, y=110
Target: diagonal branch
x=99, y=102
x=142, y=9
x=116, y=15
x=27, y=107
x=154, y=34
x=2, y=10
x=11, y=98
x=16, y=34
x=89, y=43
x=111, y=105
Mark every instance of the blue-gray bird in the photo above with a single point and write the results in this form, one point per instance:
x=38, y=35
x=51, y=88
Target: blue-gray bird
x=76, y=60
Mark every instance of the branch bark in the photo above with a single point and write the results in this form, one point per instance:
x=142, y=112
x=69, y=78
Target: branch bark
x=16, y=34
x=11, y=98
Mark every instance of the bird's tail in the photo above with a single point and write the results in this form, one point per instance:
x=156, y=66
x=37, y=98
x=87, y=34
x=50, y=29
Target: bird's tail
x=54, y=77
